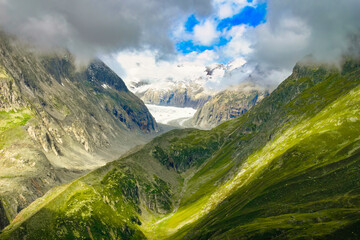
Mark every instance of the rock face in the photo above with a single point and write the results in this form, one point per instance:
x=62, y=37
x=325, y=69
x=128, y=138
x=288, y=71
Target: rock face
x=228, y=104
x=58, y=121
x=180, y=95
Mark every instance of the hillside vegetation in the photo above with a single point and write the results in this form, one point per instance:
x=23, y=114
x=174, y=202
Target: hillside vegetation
x=286, y=169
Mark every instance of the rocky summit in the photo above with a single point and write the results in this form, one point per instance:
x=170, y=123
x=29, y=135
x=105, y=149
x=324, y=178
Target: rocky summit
x=285, y=169
x=58, y=121
x=228, y=104
x=192, y=95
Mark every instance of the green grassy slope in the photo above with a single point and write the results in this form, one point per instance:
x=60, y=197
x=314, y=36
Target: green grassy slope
x=303, y=184
x=111, y=202
x=286, y=169
x=257, y=136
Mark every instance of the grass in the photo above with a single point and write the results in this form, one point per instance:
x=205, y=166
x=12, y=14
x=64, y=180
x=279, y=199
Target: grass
x=316, y=140
x=11, y=123
x=205, y=188
x=3, y=73
x=13, y=119
x=77, y=209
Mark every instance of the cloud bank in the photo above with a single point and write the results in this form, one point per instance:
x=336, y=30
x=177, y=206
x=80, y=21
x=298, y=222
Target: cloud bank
x=270, y=35
x=325, y=30
x=294, y=29
x=92, y=27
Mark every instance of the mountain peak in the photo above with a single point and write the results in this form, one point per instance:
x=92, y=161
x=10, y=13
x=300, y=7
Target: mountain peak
x=97, y=70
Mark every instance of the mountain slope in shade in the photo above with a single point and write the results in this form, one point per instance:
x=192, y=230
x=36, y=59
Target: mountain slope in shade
x=286, y=169
x=228, y=104
x=58, y=122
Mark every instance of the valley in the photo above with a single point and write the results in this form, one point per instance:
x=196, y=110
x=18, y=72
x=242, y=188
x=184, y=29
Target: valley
x=284, y=169
x=179, y=120
x=195, y=105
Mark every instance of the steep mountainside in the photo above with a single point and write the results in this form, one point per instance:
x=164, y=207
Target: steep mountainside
x=228, y=104
x=57, y=122
x=286, y=169
x=178, y=95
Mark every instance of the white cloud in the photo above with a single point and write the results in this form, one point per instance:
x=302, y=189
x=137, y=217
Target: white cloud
x=225, y=11
x=237, y=63
x=239, y=45
x=54, y=28
x=205, y=33
x=140, y=66
x=179, y=32
x=292, y=30
x=228, y=8
x=284, y=45
x=204, y=58
x=98, y=27
x=295, y=29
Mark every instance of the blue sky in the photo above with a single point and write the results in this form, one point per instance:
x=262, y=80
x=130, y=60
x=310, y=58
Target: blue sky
x=269, y=35
x=260, y=38
x=248, y=14
x=220, y=37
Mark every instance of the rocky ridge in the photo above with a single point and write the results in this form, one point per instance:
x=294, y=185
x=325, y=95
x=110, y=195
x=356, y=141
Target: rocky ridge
x=228, y=104
x=179, y=95
x=58, y=121
x=191, y=92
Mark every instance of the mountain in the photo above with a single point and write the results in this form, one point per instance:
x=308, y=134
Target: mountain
x=286, y=169
x=58, y=121
x=213, y=107
x=187, y=92
x=178, y=95
x=228, y=104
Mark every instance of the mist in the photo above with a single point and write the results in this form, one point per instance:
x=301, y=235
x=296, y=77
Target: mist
x=325, y=30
